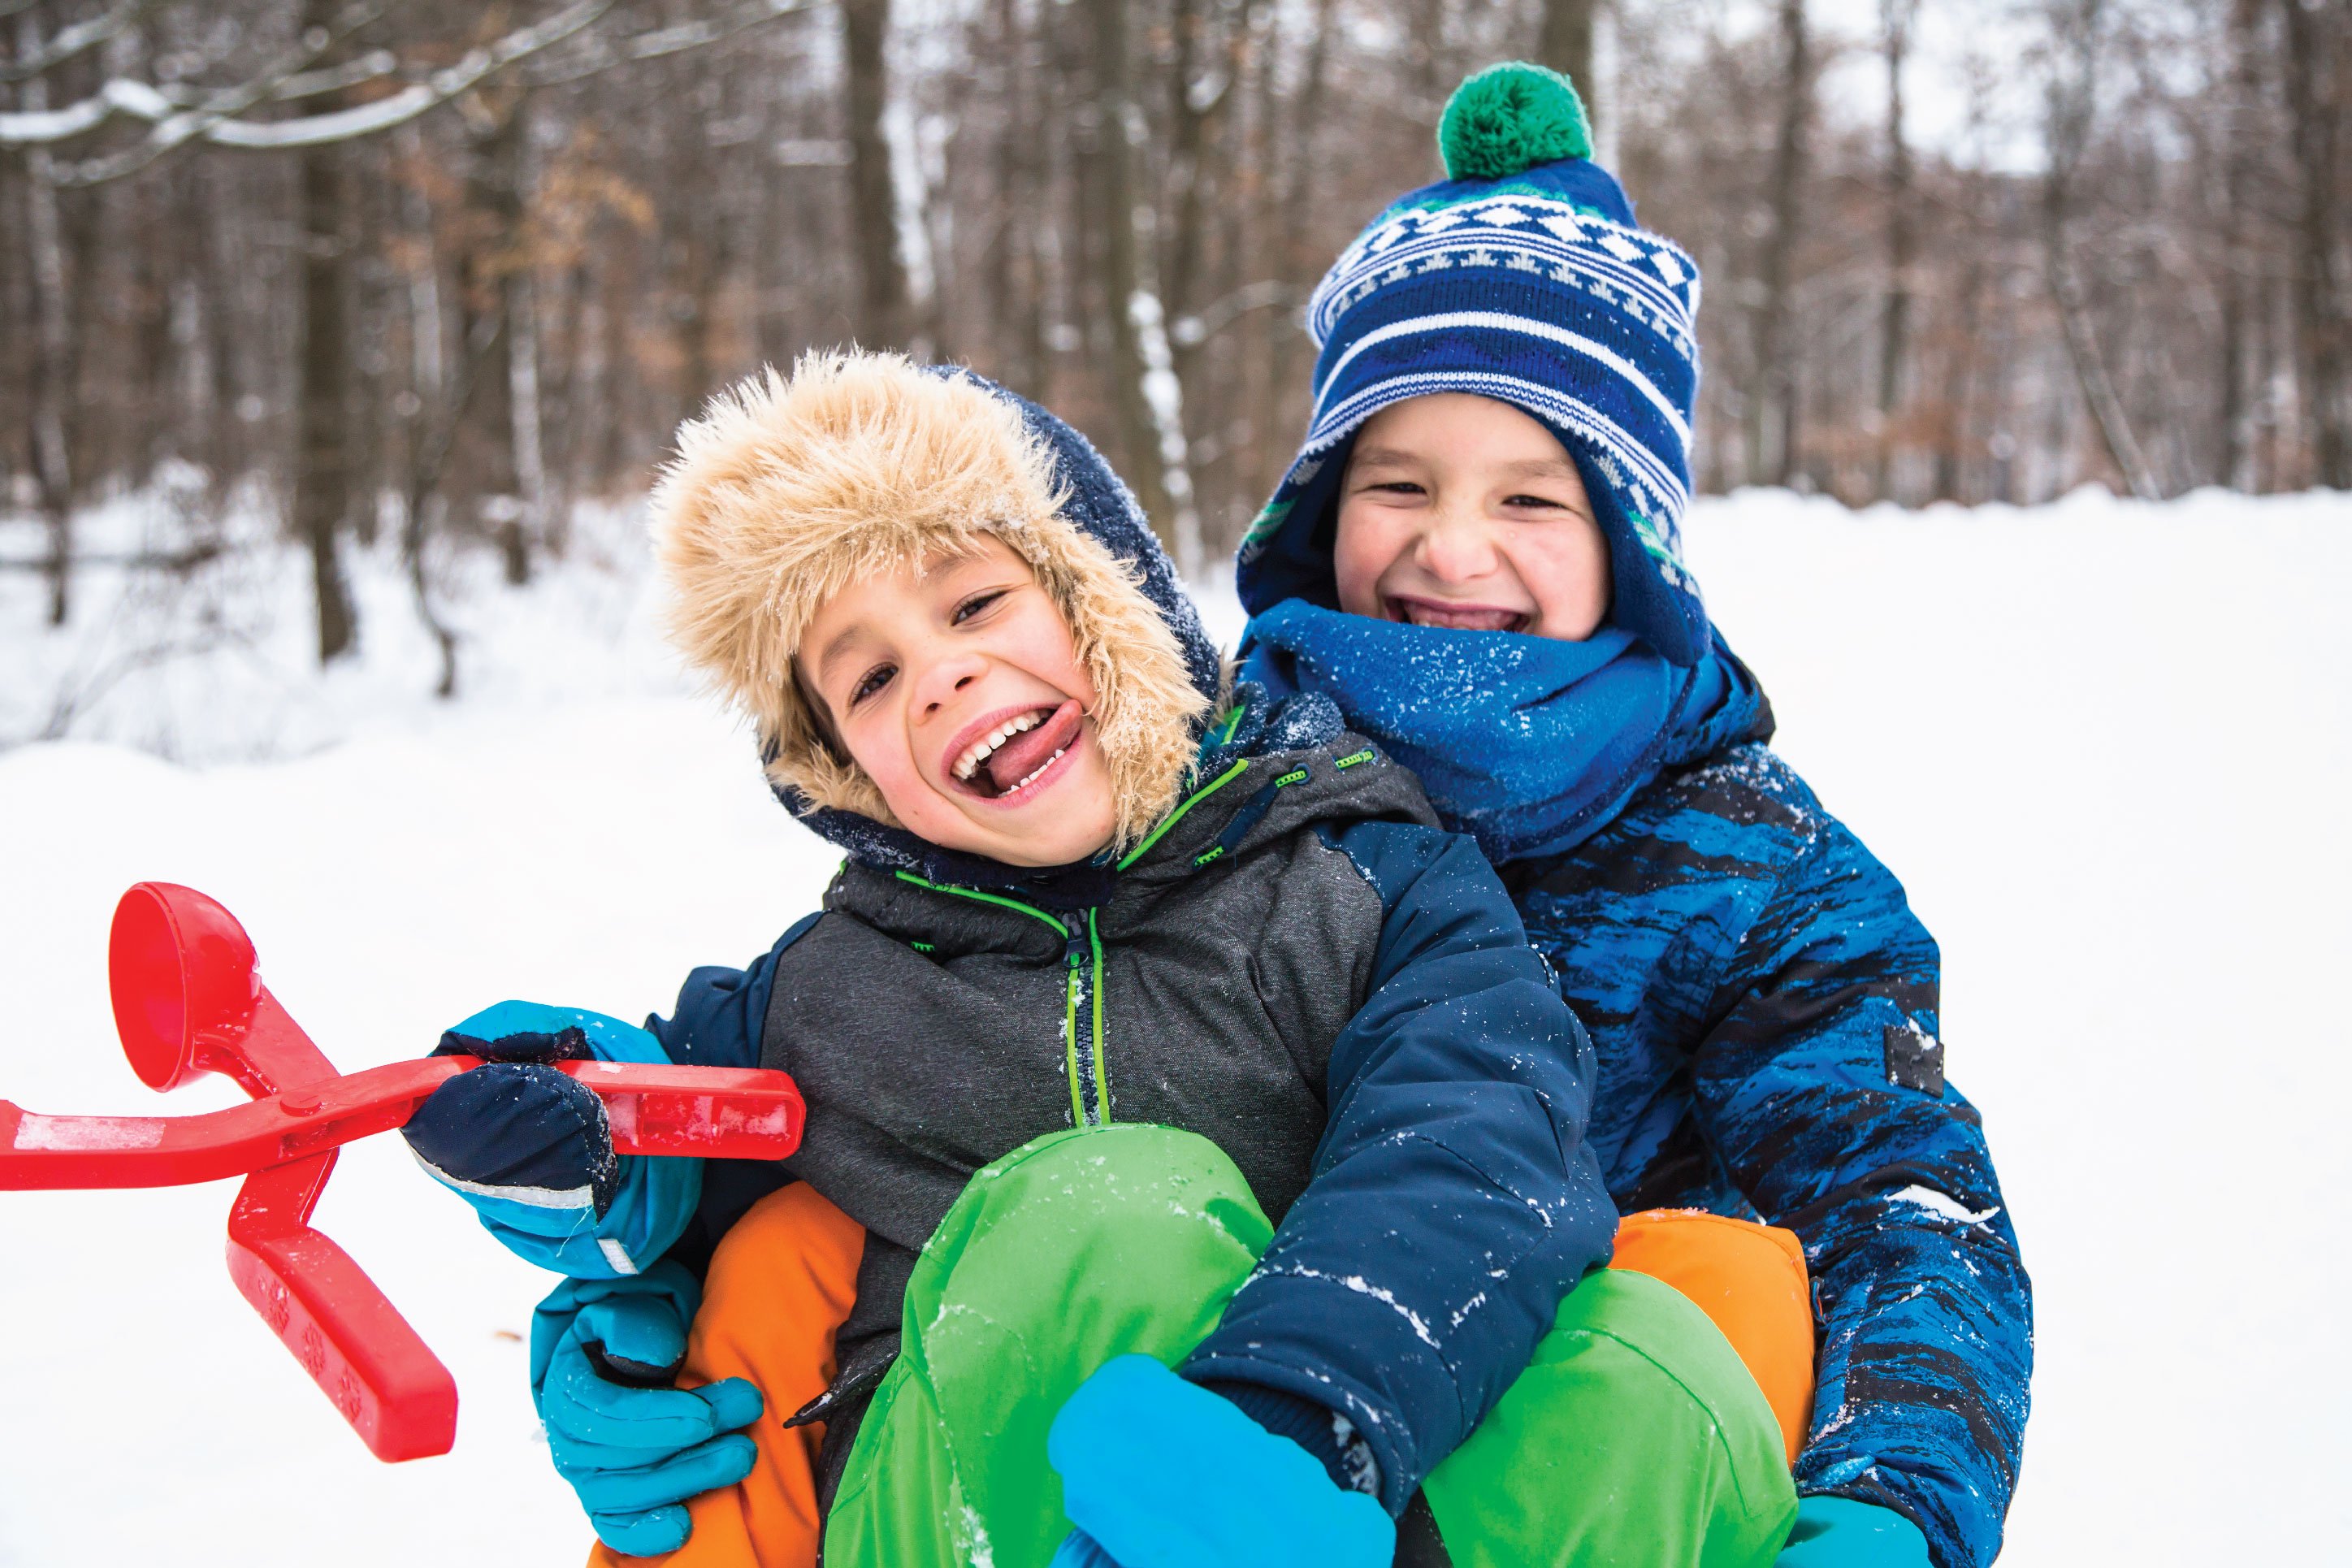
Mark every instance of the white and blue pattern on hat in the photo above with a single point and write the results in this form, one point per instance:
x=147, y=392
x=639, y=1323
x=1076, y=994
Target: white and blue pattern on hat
x=1528, y=282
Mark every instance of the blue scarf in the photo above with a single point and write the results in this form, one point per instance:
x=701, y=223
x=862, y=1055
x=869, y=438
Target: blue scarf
x=1529, y=745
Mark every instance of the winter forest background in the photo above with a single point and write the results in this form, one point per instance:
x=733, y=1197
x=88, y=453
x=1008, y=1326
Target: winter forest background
x=338, y=339
x=436, y=273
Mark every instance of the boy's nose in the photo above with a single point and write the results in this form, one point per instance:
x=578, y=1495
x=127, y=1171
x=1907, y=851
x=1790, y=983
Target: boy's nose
x=1457, y=549
x=940, y=678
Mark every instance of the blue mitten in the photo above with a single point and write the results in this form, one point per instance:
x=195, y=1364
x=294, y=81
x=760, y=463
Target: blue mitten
x=1839, y=1532
x=1160, y=1473
x=603, y=1356
x=531, y=1149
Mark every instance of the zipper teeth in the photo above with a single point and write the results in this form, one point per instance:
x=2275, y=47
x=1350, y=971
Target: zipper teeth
x=1102, y=1056
x=1177, y=816
x=1079, y=1116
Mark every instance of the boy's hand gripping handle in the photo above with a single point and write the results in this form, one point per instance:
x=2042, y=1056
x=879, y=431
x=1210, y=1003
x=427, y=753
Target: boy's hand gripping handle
x=188, y=1001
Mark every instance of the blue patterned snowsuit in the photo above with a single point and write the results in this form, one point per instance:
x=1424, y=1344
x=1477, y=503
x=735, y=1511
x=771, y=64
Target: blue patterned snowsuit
x=1762, y=1002
x=1764, y=1006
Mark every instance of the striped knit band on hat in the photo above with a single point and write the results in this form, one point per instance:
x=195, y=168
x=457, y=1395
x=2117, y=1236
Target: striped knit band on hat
x=1521, y=277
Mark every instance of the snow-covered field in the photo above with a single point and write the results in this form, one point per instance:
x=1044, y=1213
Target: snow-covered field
x=2106, y=746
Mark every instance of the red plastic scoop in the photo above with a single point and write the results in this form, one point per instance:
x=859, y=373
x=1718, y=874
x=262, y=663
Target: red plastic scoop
x=188, y=1001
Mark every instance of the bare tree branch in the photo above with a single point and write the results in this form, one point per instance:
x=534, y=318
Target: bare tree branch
x=174, y=127
x=181, y=117
x=218, y=123
x=610, y=55
x=73, y=40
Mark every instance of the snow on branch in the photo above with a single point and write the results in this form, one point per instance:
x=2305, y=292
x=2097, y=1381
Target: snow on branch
x=173, y=126
x=373, y=66
x=670, y=41
x=181, y=118
x=72, y=41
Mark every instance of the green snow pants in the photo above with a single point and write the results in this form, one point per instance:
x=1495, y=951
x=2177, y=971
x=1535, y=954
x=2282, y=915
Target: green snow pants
x=1635, y=1437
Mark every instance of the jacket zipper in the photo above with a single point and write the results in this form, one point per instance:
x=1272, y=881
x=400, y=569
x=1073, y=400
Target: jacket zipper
x=1088, y=1074
x=1082, y=960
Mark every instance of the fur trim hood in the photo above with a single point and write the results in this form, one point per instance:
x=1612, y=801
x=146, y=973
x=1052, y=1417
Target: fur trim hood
x=788, y=488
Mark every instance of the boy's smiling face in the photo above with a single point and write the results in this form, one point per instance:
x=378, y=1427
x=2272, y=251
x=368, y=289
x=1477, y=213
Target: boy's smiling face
x=957, y=687
x=1459, y=511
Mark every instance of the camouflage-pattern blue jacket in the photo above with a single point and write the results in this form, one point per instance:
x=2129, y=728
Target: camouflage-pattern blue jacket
x=1763, y=1004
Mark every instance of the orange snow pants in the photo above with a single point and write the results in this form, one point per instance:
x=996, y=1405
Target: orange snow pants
x=783, y=1278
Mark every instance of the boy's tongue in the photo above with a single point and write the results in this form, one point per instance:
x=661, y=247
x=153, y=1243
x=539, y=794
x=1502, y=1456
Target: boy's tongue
x=1027, y=752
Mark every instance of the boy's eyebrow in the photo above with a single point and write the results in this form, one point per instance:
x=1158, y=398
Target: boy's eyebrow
x=1561, y=467
x=1532, y=468
x=832, y=650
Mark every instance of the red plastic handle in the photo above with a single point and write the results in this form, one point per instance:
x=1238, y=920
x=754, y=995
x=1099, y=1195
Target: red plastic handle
x=717, y=1112
x=361, y=1353
x=188, y=1001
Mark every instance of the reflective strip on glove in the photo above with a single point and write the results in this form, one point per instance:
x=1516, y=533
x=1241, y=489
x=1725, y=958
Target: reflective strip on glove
x=531, y=1149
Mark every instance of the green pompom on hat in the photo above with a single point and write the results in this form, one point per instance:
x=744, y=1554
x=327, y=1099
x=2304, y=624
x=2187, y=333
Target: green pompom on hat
x=1509, y=118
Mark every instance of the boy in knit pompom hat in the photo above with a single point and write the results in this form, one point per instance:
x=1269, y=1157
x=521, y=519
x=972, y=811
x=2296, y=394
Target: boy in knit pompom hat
x=1193, y=1164
x=1477, y=557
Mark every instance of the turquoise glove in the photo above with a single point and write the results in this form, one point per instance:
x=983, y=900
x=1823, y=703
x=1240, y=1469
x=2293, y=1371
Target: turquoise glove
x=1839, y=1532
x=635, y=1448
x=1160, y=1473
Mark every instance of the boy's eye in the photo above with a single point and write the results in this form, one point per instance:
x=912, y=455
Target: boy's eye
x=1533, y=501
x=975, y=605
x=1396, y=486
x=872, y=681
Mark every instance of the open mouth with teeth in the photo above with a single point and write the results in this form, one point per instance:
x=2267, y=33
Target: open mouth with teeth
x=1461, y=617
x=1013, y=756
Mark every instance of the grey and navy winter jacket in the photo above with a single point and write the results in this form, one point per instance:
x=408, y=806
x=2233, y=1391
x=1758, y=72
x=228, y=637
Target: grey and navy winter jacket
x=1285, y=953
x=1300, y=966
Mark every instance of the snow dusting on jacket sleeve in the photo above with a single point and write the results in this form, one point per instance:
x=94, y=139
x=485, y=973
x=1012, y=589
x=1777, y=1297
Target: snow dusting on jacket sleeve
x=1453, y=1201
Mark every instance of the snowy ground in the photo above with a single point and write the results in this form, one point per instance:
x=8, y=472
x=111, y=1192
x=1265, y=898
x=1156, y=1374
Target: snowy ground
x=2106, y=746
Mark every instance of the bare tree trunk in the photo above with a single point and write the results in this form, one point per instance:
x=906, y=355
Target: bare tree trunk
x=523, y=398
x=1191, y=114
x=52, y=392
x=1145, y=399
x=1954, y=426
x=483, y=470
x=1013, y=273
x=322, y=387
x=1565, y=44
x=873, y=191
x=1772, y=410
x=1894, y=316
x=2314, y=70
x=2074, y=95
x=2232, y=415
x=1291, y=218
x=1198, y=108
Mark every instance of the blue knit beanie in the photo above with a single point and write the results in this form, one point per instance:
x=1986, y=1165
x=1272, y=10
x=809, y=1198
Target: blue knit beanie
x=1521, y=277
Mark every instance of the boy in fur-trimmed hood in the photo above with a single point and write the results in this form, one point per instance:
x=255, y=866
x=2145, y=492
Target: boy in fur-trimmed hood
x=1194, y=1153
